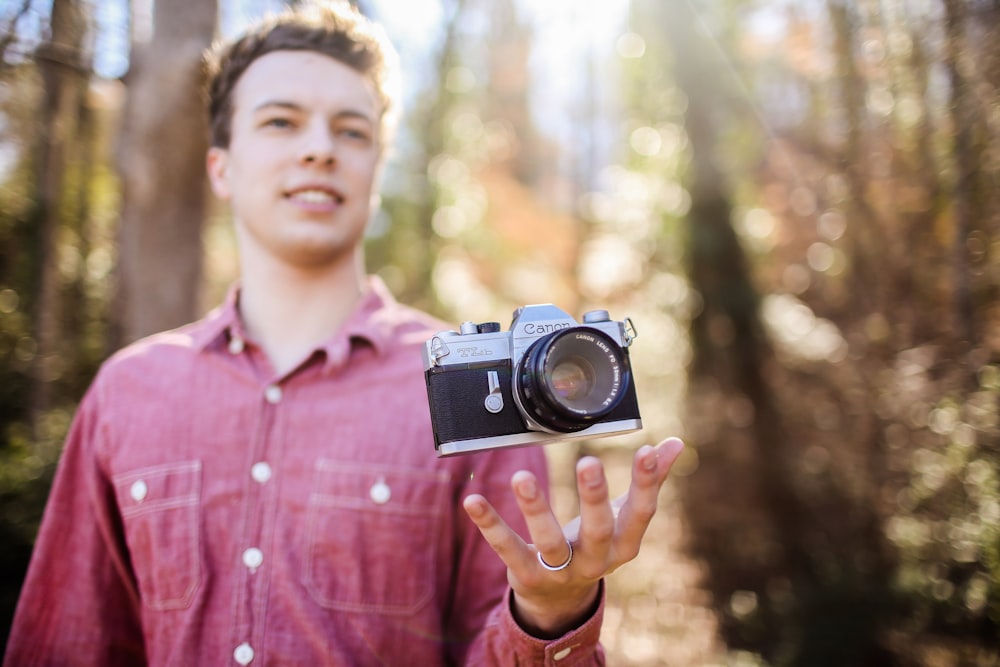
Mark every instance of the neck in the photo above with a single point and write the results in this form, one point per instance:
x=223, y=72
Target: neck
x=289, y=310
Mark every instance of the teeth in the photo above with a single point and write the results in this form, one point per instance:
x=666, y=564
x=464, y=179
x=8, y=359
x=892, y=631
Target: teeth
x=313, y=196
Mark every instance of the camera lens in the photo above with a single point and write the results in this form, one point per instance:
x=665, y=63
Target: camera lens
x=569, y=379
x=573, y=379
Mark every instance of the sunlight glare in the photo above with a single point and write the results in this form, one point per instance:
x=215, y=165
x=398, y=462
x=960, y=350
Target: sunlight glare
x=409, y=21
x=631, y=45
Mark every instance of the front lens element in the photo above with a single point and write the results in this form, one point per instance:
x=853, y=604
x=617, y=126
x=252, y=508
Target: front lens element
x=573, y=379
x=569, y=379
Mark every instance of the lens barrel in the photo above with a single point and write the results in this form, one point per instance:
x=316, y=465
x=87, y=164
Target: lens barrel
x=569, y=379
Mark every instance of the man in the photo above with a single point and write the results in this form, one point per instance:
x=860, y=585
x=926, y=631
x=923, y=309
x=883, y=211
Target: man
x=260, y=487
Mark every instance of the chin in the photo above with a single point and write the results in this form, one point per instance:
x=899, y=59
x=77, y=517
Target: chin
x=319, y=257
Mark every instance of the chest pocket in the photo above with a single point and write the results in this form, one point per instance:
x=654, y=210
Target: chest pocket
x=160, y=507
x=372, y=536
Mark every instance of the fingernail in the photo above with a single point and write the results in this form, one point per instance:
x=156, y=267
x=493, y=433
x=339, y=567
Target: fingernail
x=671, y=448
x=647, y=458
x=592, y=476
x=528, y=489
x=475, y=508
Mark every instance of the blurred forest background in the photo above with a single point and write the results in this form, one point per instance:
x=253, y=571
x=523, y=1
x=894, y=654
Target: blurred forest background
x=798, y=204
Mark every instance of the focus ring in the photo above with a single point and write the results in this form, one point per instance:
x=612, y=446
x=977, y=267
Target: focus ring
x=570, y=379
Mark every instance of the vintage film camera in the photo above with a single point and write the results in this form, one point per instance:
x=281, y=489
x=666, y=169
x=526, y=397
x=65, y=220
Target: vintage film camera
x=548, y=378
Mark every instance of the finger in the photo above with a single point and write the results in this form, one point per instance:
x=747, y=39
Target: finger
x=571, y=529
x=649, y=472
x=597, y=519
x=667, y=452
x=508, y=545
x=543, y=526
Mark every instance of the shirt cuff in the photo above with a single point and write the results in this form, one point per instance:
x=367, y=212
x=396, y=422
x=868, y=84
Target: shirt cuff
x=576, y=647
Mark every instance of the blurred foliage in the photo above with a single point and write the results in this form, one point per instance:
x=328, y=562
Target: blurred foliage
x=842, y=403
x=795, y=202
x=33, y=423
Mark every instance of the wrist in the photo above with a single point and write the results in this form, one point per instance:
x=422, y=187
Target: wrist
x=544, y=618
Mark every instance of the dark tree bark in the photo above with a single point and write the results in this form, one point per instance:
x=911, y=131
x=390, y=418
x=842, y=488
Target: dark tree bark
x=957, y=55
x=64, y=77
x=730, y=347
x=161, y=159
x=749, y=517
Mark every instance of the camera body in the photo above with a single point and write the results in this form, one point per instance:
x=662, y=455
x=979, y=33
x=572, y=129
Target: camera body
x=547, y=378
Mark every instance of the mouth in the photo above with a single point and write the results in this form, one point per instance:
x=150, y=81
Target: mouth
x=315, y=196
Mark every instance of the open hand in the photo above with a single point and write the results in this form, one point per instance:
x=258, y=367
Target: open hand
x=556, y=578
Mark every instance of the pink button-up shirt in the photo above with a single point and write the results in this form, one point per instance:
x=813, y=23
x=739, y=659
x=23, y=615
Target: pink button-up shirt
x=207, y=511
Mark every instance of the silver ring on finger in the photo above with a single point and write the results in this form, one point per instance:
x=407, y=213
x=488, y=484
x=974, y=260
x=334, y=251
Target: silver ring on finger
x=561, y=566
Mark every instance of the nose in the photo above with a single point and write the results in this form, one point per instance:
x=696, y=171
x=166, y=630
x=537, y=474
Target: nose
x=318, y=146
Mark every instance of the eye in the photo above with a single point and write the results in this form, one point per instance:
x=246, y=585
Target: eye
x=279, y=122
x=355, y=134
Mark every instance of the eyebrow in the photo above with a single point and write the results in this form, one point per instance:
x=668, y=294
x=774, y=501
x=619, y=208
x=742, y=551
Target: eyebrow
x=293, y=106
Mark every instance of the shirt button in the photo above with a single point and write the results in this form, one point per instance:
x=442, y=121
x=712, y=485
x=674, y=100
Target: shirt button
x=559, y=655
x=138, y=491
x=260, y=471
x=273, y=393
x=253, y=557
x=380, y=492
x=243, y=654
x=236, y=345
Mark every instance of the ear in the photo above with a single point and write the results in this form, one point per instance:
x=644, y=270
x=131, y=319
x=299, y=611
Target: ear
x=217, y=166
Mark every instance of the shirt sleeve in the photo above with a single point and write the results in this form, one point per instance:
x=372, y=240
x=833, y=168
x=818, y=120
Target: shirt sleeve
x=79, y=604
x=482, y=599
x=504, y=642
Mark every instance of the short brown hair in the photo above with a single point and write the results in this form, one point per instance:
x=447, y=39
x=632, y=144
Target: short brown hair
x=337, y=30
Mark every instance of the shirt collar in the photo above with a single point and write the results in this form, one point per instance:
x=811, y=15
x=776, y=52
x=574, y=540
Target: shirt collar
x=372, y=321
x=217, y=324
x=374, y=317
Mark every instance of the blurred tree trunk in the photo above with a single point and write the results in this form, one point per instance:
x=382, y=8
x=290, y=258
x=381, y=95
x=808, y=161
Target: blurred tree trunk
x=65, y=77
x=431, y=120
x=749, y=520
x=869, y=241
x=730, y=346
x=161, y=158
x=957, y=55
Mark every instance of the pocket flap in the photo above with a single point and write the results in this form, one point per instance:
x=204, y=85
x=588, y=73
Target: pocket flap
x=158, y=487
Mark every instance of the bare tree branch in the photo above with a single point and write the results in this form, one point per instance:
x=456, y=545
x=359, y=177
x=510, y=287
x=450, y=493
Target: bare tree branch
x=10, y=33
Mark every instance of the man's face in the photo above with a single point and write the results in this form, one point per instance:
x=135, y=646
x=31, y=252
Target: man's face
x=300, y=168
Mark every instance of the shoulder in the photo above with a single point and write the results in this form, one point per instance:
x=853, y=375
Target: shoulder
x=160, y=355
x=409, y=325
x=391, y=324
